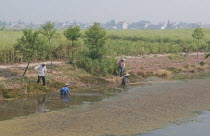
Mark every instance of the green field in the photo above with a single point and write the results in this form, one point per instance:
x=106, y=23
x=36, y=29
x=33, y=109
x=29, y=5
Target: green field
x=119, y=42
x=139, y=42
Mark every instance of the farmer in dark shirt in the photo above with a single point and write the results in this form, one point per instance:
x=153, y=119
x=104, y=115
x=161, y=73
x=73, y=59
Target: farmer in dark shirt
x=125, y=79
x=121, y=66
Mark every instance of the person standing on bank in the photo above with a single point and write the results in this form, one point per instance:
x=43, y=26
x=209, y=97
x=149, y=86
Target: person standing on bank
x=121, y=66
x=125, y=79
x=41, y=73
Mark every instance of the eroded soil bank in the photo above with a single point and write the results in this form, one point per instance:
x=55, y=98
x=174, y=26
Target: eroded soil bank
x=136, y=110
x=12, y=85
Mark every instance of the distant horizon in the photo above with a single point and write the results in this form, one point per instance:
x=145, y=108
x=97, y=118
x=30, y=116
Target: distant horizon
x=40, y=11
x=63, y=21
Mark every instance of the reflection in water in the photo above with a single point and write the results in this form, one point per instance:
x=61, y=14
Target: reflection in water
x=65, y=98
x=42, y=105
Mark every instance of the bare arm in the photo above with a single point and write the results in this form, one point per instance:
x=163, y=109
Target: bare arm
x=36, y=67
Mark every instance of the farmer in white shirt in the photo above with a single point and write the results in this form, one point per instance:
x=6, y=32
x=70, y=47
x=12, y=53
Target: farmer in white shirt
x=41, y=72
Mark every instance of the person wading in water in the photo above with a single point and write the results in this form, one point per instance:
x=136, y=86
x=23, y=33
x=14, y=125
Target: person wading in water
x=65, y=90
x=125, y=79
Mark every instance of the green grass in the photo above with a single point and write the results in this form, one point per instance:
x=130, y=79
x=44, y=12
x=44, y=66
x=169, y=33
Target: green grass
x=139, y=42
x=119, y=42
x=9, y=38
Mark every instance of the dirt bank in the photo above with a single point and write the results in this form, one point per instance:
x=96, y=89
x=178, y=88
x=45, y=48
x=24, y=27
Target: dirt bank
x=13, y=85
x=176, y=63
x=134, y=111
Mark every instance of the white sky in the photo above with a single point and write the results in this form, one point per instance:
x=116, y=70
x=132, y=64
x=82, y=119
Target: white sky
x=40, y=11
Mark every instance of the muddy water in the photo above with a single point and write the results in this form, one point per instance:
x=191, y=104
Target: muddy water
x=125, y=107
x=50, y=102
x=197, y=127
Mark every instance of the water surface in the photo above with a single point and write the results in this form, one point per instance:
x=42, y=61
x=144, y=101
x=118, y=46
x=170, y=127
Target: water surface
x=49, y=102
x=197, y=127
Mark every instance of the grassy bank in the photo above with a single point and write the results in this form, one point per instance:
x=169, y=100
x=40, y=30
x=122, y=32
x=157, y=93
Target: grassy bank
x=14, y=86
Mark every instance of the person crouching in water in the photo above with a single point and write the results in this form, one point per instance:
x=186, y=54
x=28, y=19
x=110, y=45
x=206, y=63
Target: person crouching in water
x=65, y=90
x=125, y=79
x=41, y=72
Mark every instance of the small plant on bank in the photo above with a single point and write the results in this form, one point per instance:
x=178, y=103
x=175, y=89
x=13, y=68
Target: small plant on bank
x=163, y=73
x=202, y=63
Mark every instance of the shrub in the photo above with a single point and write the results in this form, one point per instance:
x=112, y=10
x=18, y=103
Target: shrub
x=202, y=63
x=163, y=73
x=103, y=66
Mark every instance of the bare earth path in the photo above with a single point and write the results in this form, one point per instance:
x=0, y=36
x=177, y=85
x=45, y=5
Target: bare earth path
x=23, y=65
x=134, y=111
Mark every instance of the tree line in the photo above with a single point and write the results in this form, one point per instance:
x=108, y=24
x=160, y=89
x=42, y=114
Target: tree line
x=90, y=49
x=38, y=44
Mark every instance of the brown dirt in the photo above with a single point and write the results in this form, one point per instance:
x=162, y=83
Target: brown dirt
x=23, y=65
x=154, y=63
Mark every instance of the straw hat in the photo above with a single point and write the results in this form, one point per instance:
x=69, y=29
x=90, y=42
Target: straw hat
x=127, y=74
x=66, y=84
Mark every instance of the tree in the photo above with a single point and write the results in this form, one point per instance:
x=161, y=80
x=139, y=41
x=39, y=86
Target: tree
x=198, y=35
x=73, y=34
x=207, y=56
x=28, y=44
x=49, y=31
x=95, y=40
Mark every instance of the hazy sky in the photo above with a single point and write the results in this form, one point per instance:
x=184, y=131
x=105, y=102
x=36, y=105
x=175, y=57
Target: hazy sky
x=40, y=11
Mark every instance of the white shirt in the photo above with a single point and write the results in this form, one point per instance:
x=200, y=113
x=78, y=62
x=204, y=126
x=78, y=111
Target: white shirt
x=41, y=70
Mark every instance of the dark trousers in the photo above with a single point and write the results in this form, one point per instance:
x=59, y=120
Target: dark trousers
x=43, y=79
x=120, y=71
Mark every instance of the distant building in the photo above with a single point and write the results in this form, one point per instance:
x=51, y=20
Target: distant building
x=125, y=25
x=171, y=25
x=139, y=25
x=122, y=25
x=110, y=25
x=183, y=25
x=159, y=26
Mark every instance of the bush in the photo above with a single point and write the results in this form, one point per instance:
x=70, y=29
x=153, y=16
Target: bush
x=163, y=73
x=103, y=66
x=202, y=63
